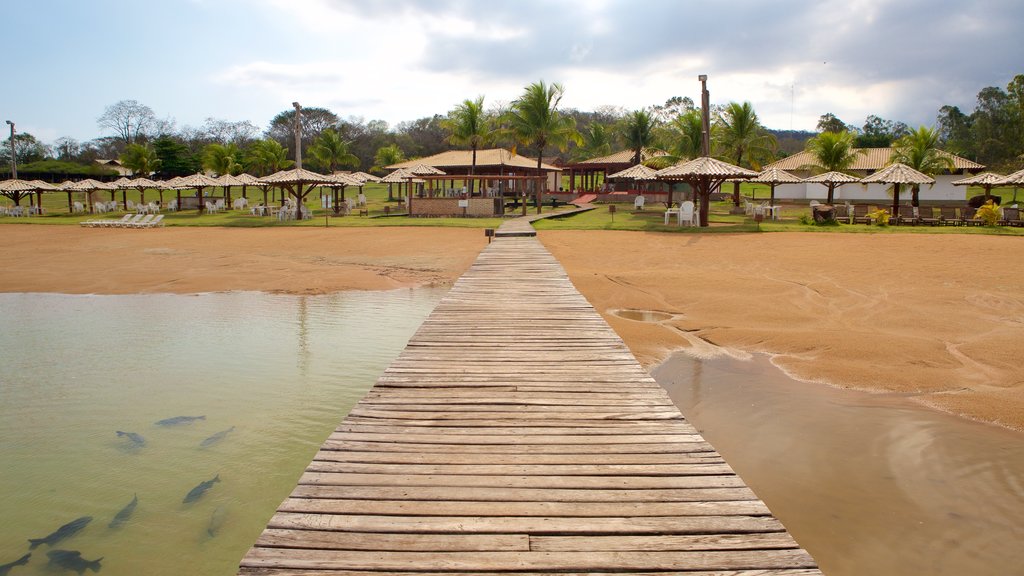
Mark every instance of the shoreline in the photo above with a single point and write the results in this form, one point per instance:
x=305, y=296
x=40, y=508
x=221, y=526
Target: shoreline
x=906, y=315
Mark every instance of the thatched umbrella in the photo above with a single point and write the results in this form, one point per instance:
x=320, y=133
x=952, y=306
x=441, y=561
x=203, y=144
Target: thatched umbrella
x=295, y=182
x=339, y=180
x=365, y=177
x=704, y=175
x=638, y=173
x=773, y=177
x=833, y=180
x=141, y=184
x=197, y=181
x=400, y=176
x=89, y=186
x=898, y=174
x=227, y=181
x=40, y=188
x=987, y=180
x=16, y=189
x=122, y=183
x=1016, y=180
x=248, y=180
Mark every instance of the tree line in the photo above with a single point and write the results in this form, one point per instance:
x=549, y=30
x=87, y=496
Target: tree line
x=992, y=134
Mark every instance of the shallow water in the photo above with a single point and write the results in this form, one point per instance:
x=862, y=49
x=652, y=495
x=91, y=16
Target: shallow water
x=867, y=483
x=282, y=370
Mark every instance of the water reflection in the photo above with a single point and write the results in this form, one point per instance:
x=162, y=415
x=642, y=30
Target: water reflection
x=869, y=484
x=281, y=370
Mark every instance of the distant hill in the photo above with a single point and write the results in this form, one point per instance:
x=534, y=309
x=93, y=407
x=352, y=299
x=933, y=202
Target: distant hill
x=791, y=141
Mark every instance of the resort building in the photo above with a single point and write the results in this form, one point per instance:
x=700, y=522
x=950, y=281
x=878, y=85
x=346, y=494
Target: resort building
x=872, y=160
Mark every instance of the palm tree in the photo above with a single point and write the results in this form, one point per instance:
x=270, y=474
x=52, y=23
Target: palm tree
x=596, y=142
x=330, y=150
x=468, y=125
x=141, y=159
x=742, y=138
x=533, y=119
x=832, y=152
x=386, y=156
x=222, y=159
x=267, y=156
x=919, y=150
x=638, y=129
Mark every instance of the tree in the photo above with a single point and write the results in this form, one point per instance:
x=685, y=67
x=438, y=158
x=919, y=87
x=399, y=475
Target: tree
x=226, y=132
x=832, y=151
x=879, y=132
x=954, y=128
x=141, y=159
x=26, y=149
x=331, y=151
x=637, y=131
x=673, y=108
x=387, y=156
x=313, y=120
x=66, y=148
x=128, y=119
x=175, y=158
x=680, y=139
x=266, y=157
x=829, y=123
x=222, y=159
x=468, y=125
x=742, y=138
x=596, y=142
x=920, y=150
x=422, y=137
x=534, y=119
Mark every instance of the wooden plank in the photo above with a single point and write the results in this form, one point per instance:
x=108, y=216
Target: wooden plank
x=349, y=455
x=481, y=480
x=563, y=470
x=505, y=494
x=572, y=509
x=471, y=561
x=331, y=540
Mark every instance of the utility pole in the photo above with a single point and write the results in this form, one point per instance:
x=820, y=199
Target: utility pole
x=298, y=134
x=705, y=110
x=14, y=159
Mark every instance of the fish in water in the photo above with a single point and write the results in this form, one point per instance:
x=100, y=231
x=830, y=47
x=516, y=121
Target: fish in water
x=6, y=568
x=195, y=493
x=217, y=520
x=179, y=420
x=216, y=438
x=133, y=437
x=125, y=513
x=72, y=560
x=66, y=531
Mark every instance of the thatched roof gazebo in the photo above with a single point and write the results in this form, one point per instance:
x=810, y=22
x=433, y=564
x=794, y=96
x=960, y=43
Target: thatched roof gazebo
x=16, y=189
x=638, y=172
x=296, y=180
x=986, y=180
x=773, y=177
x=89, y=186
x=833, y=180
x=364, y=177
x=898, y=174
x=704, y=175
x=199, y=181
x=1015, y=179
x=401, y=176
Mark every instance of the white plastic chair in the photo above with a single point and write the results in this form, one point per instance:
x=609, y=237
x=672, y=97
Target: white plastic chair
x=686, y=214
x=362, y=199
x=638, y=204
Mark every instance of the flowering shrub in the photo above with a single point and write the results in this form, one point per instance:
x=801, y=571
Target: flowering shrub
x=880, y=217
x=988, y=213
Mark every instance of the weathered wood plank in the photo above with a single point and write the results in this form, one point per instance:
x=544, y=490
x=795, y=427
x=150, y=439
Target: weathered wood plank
x=506, y=494
x=552, y=509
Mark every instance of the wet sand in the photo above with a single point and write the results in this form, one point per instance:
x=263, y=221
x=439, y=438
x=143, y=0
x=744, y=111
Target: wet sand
x=71, y=260
x=937, y=317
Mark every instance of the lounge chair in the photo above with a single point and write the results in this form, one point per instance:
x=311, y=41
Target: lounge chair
x=925, y=215
x=948, y=216
x=907, y=216
x=157, y=221
x=860, y=214
x=1011, y=217
x=843, y=213
x=129, y=222
x=140, y=223
x=969, y=217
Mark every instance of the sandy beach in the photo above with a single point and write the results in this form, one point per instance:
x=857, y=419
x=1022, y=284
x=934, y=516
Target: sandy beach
x=936, y=317
x=70, y=260
x=923, y=315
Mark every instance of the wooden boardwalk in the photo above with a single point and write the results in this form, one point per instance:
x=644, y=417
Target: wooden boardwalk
x=516, y=434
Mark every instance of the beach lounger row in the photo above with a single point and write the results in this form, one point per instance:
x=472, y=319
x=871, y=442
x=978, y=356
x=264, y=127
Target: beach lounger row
x=128, y=221
x=926, y=215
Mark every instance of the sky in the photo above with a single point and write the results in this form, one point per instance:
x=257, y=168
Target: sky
x=400, y=60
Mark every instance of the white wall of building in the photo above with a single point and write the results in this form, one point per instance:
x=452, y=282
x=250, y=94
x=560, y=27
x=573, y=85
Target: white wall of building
x=942, y=191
